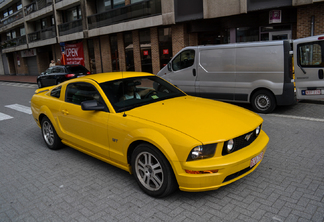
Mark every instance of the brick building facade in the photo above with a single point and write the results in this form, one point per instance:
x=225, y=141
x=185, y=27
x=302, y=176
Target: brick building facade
x=32, y=35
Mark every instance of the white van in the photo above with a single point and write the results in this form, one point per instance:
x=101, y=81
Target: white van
x=309, y=66
x=260, y=73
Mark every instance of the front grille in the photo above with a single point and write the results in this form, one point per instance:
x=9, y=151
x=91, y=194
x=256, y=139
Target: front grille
x=237, y=174
x=241, y=142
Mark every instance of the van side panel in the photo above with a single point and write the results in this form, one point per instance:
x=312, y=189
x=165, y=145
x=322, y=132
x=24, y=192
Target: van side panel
x=259, y=67
x=216, y=72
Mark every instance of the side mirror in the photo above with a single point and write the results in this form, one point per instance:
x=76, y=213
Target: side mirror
x=92, y=105
x=169, y=66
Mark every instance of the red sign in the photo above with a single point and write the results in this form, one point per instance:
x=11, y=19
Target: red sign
x=165, y=51
x=145, y=52
x=74, y=54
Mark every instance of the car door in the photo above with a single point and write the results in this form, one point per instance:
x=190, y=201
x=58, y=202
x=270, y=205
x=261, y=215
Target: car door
x=309, y=67
x=46, y=77
x=85, y=129
x=182, y=71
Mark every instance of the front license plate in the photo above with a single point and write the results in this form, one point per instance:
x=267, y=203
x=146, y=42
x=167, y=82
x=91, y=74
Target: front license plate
x=311, y=92
x=256, y=159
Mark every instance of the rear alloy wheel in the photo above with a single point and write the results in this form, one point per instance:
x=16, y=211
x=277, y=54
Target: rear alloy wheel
x=49, y=135
x=152, y=171
x=263, y=101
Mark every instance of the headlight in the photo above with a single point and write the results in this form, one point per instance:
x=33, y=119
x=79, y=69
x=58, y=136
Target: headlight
x=230, y=146
x=202, y=152
x=257, y=130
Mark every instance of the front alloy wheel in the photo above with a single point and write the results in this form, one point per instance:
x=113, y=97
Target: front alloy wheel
x=49, y=135
x=152, y=171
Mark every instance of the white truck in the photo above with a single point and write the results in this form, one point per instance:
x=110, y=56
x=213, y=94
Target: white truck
x=260, y=73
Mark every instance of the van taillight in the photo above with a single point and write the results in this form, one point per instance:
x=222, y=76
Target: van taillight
x=321, y=38
x=291, y=68
x=69, y=75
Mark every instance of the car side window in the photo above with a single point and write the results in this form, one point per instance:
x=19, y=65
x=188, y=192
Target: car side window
x=49, y=71
x=184, y=60
x=56, y=92
x=79, y=92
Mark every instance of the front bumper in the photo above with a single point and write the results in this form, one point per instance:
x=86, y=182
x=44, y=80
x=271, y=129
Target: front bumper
x=230, y=168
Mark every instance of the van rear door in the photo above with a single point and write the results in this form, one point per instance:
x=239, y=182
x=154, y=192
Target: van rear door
x=309, y=67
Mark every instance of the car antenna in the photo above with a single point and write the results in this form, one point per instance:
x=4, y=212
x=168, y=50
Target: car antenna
x=124, y=115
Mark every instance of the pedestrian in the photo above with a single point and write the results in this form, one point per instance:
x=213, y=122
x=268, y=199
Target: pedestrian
x=52, y=63
x=58, y=62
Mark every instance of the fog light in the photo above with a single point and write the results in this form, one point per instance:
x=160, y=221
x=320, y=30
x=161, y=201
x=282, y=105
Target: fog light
x=201, y=172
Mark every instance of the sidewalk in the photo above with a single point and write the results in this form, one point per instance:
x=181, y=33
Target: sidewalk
x=18, y=78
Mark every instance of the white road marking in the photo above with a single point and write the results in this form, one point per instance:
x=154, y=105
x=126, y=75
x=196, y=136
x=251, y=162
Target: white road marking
x=297, y=117
x=4, y=116
x=20, y=108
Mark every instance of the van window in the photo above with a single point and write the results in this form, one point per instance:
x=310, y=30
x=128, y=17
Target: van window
x=184, y=60
x=311, y=54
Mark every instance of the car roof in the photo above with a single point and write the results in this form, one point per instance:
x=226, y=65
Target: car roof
x=110, y=76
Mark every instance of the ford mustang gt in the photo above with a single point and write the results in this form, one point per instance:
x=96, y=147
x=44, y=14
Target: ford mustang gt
x=148, y=127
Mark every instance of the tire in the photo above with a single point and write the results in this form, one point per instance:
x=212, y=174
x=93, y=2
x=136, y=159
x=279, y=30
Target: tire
x=263, y=101
x=39, y=84
x=49, y=135
x=152, y=171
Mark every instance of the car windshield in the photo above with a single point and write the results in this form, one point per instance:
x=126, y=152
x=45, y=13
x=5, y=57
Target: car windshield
x=129, y=93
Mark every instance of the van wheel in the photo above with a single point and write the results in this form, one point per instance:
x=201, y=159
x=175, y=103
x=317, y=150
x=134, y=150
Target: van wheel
x=263, y=101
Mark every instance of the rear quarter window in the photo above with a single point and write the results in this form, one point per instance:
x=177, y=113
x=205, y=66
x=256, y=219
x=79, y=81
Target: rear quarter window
x=56, y=92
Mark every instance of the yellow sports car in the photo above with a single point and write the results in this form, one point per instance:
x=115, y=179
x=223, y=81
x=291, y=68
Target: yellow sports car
x=148, y=127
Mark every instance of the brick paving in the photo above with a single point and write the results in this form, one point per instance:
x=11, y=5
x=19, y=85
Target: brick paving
x=38, y=184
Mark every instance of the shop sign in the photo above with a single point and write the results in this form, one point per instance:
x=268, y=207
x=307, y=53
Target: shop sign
x=28, y=53
x=275, y=16
x=74, y=54
x=145, y=52
x=165, y=51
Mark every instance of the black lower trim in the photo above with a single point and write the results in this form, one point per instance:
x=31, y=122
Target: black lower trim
x=288, y=96
x=237, y=174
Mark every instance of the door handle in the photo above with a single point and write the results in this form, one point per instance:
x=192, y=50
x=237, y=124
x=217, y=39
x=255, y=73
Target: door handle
x=194, y=72
x=65, y=112
x=320, y=73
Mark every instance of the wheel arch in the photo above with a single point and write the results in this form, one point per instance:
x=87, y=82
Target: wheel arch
x=259, y=89
x=160, y=142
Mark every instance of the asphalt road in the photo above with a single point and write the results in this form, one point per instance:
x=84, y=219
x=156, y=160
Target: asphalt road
x=38, y=184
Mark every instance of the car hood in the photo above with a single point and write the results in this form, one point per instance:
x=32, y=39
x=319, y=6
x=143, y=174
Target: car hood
x=206, y=120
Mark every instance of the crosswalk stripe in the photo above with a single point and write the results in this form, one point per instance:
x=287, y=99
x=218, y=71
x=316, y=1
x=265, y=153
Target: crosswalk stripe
x=20, y=108
x=4, y=116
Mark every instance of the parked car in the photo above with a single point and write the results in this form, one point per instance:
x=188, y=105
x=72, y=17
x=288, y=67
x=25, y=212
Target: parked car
x=57, y=74
x=148, y=127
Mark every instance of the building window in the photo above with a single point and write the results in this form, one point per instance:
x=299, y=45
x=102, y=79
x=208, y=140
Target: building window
x=19, y=6
x=118, y=3
x=114, y=52
x=72, y=14
x=22, y=31
x=165, y=46
x=246, y=34
x=128, y=42
x=145, y=43
x=135, y=1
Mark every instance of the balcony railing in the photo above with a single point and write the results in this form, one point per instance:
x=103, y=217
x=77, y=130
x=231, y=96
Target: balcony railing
x=14, y=42
x=37, y=5
x=70, y=27
x=130, y=12
x=14, y=17
x=42, y=34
